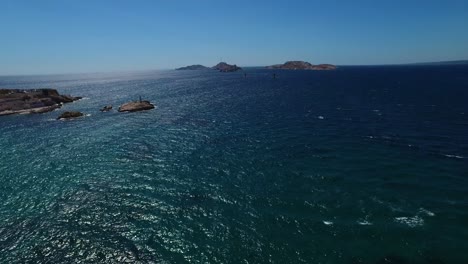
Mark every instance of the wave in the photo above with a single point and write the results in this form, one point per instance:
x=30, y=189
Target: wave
x=364, y=222
x=414, y=221
x=426, y=212
x=453, y=156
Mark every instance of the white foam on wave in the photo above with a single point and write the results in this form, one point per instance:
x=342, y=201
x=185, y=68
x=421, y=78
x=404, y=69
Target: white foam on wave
x=321, y=117
x=123, y=159
x=426, y=212
x=328, y=222
x=414, y=221
x=364, y=222
x=453, y=156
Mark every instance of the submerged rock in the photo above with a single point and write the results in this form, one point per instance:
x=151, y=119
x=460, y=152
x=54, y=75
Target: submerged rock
x=136, y=106
x=70, y=114
x=18, y=101
x=106, y=108
x=302, y=65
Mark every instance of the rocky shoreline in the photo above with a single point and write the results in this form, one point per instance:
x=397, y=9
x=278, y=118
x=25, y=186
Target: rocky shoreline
x=21, y=101
x=36, y=101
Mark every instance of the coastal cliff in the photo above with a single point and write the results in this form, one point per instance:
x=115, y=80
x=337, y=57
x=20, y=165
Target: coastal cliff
x=302, y=65
x=19, y=101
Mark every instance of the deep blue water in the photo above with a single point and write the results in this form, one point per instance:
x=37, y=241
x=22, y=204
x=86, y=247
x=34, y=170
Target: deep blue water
x=347, y=166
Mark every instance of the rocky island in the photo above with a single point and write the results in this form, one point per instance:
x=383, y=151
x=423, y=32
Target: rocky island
x=68, y=115
x=20, y=101
x=302, y=65
x=224, y=67
x=136, y=106
x=193, y=67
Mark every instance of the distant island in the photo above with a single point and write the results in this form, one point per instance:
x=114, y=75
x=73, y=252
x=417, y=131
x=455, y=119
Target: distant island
x=302, y=65
x=20, y=101
x=289, y=65
x=193, y=67
x=222, y=67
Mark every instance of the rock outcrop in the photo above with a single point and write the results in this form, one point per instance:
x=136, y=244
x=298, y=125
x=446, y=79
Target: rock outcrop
x=194, y=67
x=136, y=106
x=106, y=108
x=302, y=65
x=224, y=67
x=68, y=115
x=18, y=101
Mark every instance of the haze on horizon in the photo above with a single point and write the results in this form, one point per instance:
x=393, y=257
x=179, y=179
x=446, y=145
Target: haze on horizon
x=41, y=37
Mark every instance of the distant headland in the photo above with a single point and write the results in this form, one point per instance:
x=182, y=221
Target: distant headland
x=222, y=67
x=302, y=65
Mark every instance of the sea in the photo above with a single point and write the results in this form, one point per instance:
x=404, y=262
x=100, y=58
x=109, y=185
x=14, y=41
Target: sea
x=364, y=164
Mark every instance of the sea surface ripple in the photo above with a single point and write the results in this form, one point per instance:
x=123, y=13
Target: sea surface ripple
x=358, y=165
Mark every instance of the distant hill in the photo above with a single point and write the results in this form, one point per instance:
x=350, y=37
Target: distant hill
x=193, y=67
x=457, y=62
x=301, y=65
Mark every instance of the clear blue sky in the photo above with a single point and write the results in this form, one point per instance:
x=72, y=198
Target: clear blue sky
x=66, y=36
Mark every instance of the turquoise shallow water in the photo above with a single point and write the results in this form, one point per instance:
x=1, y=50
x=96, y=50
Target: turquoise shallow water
x=358, y=165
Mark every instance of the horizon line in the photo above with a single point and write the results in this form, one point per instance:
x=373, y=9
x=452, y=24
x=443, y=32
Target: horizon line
x=461, y=61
